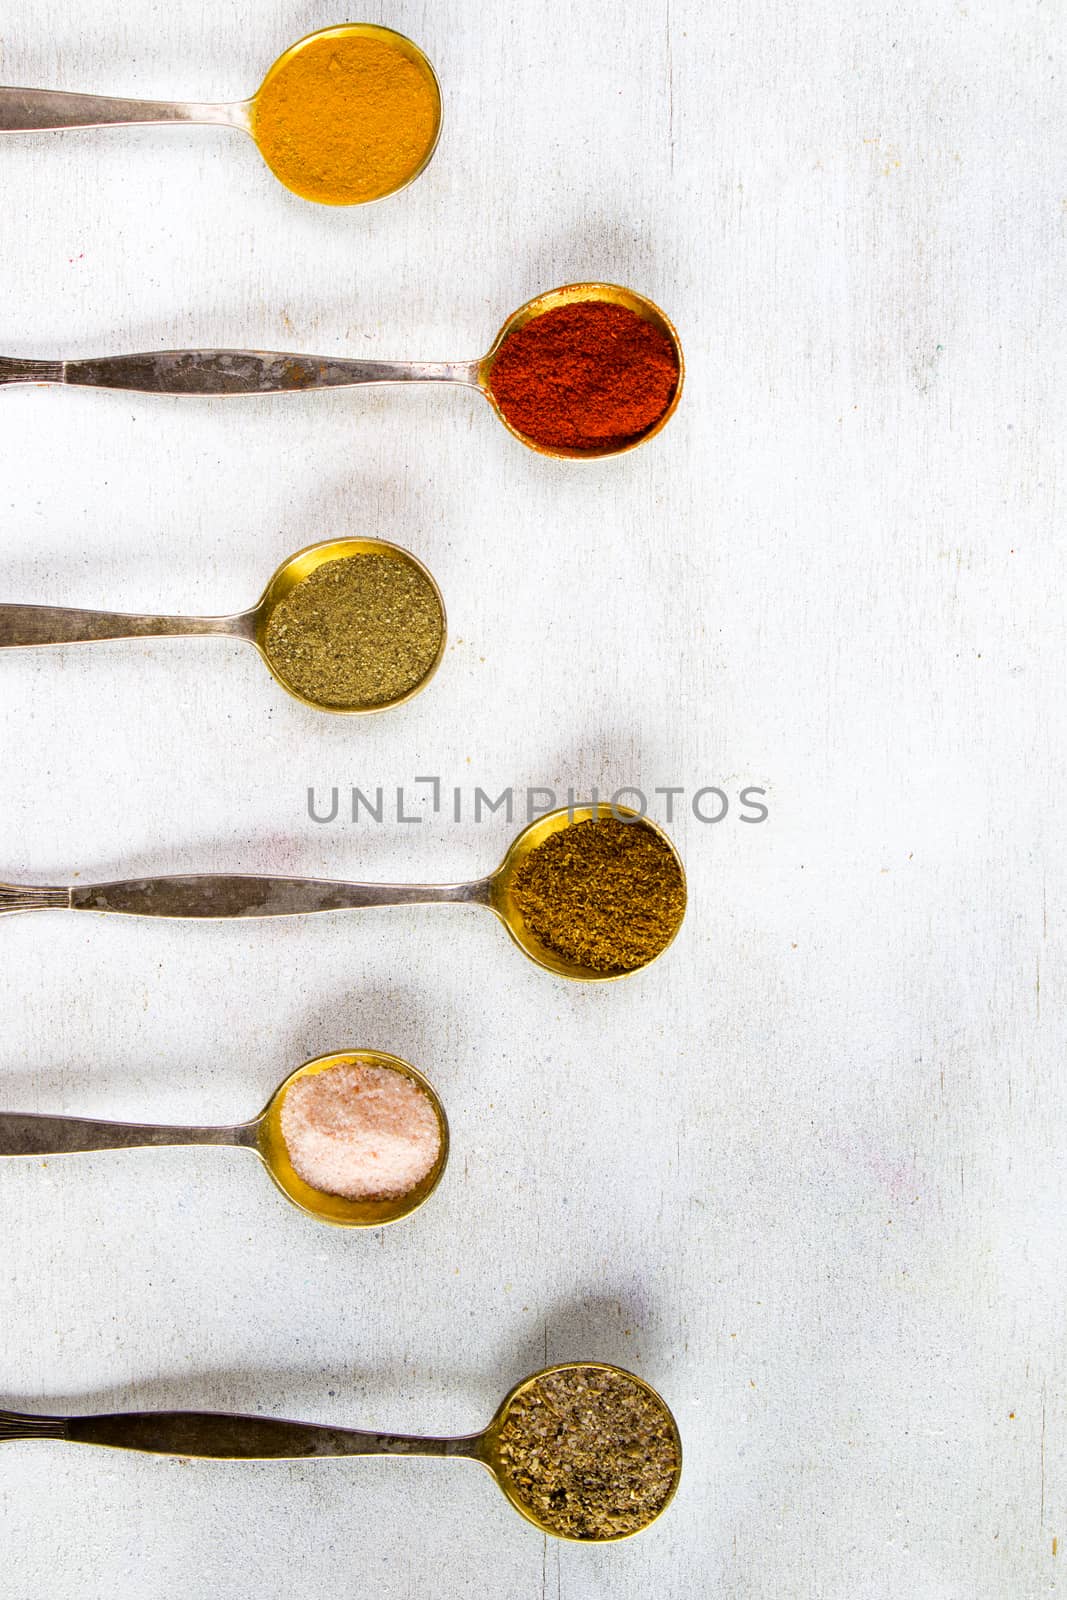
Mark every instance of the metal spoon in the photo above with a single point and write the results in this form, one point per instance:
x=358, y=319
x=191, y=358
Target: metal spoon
x=21, y=625
x=233, y=372
x=222, y=1436
x=41, y=110
x=217, y=896
x=25, y=1134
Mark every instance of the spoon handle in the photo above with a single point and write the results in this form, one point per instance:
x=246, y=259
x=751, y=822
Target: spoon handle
x=225, y=1437
x=38, y=110
x=229, y=372
x=26, y=1134
x=217, y=895
x=31, y=625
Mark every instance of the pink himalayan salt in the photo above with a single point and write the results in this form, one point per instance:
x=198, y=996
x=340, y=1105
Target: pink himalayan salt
x=365, y=1133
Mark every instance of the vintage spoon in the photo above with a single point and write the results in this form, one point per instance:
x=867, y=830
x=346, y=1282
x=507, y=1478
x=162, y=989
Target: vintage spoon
x=25, y=1134
x=40, y=110
x=234, y=372
x=222, y=1436
x=219, y=896
x=22, y=625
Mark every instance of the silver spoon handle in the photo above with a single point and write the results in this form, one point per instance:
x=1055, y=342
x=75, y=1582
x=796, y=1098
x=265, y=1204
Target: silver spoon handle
x=218, y=895
x=26, y=1134
x=225, y=1437
x=31, y=625
x=38, y=110
x=228, y=372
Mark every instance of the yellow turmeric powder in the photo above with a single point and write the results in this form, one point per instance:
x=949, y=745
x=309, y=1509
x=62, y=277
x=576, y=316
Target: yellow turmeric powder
x=349, y=114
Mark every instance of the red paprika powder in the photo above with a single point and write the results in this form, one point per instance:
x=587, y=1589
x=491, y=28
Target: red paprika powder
x=591, y=375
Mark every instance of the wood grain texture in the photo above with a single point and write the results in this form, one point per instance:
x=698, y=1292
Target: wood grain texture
x=807, y=1175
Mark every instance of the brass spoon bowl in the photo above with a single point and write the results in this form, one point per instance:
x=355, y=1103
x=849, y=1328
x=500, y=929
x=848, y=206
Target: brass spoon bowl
x=503, y=901
x=226, y=895
x=222, y=373
x=300, y=567
x=574, y=294
x=335, y=1208
x=489, y=1445
x=22, y=1134
x=39, y=110
x=401, y=47
x=25, y=625
x=220, y=1436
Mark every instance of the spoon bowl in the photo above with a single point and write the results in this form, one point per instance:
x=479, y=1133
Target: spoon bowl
x=335, y=1208
x=576, y=294
x=503, y=901
x=490, y=1444
x=274, y=88
x=295, y=571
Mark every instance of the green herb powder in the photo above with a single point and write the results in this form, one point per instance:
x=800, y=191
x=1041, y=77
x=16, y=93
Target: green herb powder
x=358, y=632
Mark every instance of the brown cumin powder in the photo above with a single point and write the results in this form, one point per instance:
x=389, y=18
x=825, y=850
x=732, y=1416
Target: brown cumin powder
x=591, y=1453
x=360, y=631
x=605, y=894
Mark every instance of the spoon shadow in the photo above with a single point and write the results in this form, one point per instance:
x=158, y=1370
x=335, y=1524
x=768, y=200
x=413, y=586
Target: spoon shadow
x=396, y=1019
x=586, y=1328
x=164, y=586
x=209, y=70
x=598, y=246
x=618, y=1325
x=399, y=1019
x=351, y=1396
x=365, y=852
x=350, y=854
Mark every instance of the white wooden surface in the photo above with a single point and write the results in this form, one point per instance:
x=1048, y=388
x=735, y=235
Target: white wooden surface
x=807, y=1175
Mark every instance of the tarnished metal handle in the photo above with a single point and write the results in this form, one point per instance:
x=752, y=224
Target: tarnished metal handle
x=26, y=1134
x=14, y=369
x=39, y=110
x=231, y=372
x=34, y=625
x=220, y=1436
x=219, y=895
x=227, y=372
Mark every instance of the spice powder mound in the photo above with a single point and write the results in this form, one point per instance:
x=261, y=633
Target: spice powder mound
x=347, y=117
x=605, y=894
x=591, y=1454
x=357, y=632
x=589, y=376
x=361, y=1132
